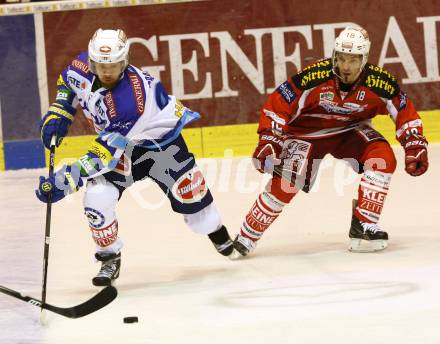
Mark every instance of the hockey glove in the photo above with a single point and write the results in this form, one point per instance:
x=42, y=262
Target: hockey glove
x=56, y=122
x=266, y=155
x=65, y=181
x=416, y=154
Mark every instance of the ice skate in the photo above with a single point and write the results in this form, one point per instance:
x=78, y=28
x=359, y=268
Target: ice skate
x=366, y=237
x=111, y=264
x=243, y=246
x=222, y=241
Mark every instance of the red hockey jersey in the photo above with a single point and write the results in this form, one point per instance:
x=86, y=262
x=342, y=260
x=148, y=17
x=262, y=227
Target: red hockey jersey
x=311, y=105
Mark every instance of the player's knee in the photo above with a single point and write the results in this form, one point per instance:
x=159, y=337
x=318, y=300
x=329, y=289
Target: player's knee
x=380, y=157
x=281, y=189
x=204, y=221
x=100, y=202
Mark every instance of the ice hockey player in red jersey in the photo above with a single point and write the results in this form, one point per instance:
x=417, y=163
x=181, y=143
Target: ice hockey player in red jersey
x=327, y=109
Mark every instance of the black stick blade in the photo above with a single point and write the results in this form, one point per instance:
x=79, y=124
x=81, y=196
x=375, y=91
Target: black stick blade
x=100, y=300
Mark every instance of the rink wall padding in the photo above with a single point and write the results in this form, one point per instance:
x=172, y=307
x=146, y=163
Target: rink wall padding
x=221, y=58
x=2, y=157
x=23, y=154
x=19, y=94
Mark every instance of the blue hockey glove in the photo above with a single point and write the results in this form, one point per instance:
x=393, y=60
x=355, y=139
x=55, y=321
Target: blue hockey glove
x=56, y=122
x=65, y=181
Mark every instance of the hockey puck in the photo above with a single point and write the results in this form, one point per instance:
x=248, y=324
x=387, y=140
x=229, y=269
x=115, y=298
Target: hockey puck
x=130, y=320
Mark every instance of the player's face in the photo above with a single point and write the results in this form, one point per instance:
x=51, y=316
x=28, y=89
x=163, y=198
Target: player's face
x=109, y=73
x=349, y=67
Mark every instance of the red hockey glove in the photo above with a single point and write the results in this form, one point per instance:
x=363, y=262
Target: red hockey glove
x=416, y=154
x=267, y=153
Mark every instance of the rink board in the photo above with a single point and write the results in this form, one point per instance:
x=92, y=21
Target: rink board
x=239, y=140
x=206, y=142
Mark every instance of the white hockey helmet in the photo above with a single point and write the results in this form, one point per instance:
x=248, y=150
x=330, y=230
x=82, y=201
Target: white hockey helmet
x=352, y=40
x=108, y=46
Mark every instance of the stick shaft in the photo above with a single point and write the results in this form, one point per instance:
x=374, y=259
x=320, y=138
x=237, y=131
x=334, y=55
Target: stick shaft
x=48, y=220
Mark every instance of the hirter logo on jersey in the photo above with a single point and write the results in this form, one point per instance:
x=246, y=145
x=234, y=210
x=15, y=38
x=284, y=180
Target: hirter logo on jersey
x=191, y=187
x=138, y=92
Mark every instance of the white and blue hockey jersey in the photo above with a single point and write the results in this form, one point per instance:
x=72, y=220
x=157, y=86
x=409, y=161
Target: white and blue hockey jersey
x=137, y=111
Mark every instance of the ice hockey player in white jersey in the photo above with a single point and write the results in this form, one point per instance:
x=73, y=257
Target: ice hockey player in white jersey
x=138, y=126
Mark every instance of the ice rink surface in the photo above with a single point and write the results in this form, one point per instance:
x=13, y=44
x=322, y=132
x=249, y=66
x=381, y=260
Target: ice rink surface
x=300, y=286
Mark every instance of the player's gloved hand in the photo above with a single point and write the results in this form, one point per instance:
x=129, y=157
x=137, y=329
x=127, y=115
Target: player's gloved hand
x=65, y=181
x=114, y=140
x=416, y=154
x=267, y=153
x=56, y=122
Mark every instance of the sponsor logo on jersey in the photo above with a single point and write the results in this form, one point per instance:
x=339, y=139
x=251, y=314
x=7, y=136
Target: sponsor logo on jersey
x=403, y=100
x=138, y=92
x=380, y=70
x=110, y=103
x=318, y=64
x=374, y=81
x=329, y=116
x=121, y=125
x=346, y=109
x=87, y=165
x=315, y=75
x=148, y=77
x=179, y=109
x=101, y=152
x=286, y=91
x=274, y=117
x=80, y=65
x=191, y=187
x=73, y=81
x=326, y=96
x=100, y=116
x=62, y=95
x=352, y=105
x=60, y=81
x=273, y=139
x=370, y=134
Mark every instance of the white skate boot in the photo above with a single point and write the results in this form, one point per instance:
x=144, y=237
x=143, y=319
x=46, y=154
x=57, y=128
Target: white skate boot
x=243, y=246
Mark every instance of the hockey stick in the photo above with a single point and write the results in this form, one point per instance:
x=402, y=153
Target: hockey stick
x=48, y=218
x=102, y=299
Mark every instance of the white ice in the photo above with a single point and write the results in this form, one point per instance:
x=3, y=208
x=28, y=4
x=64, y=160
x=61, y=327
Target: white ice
x=301, y=285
